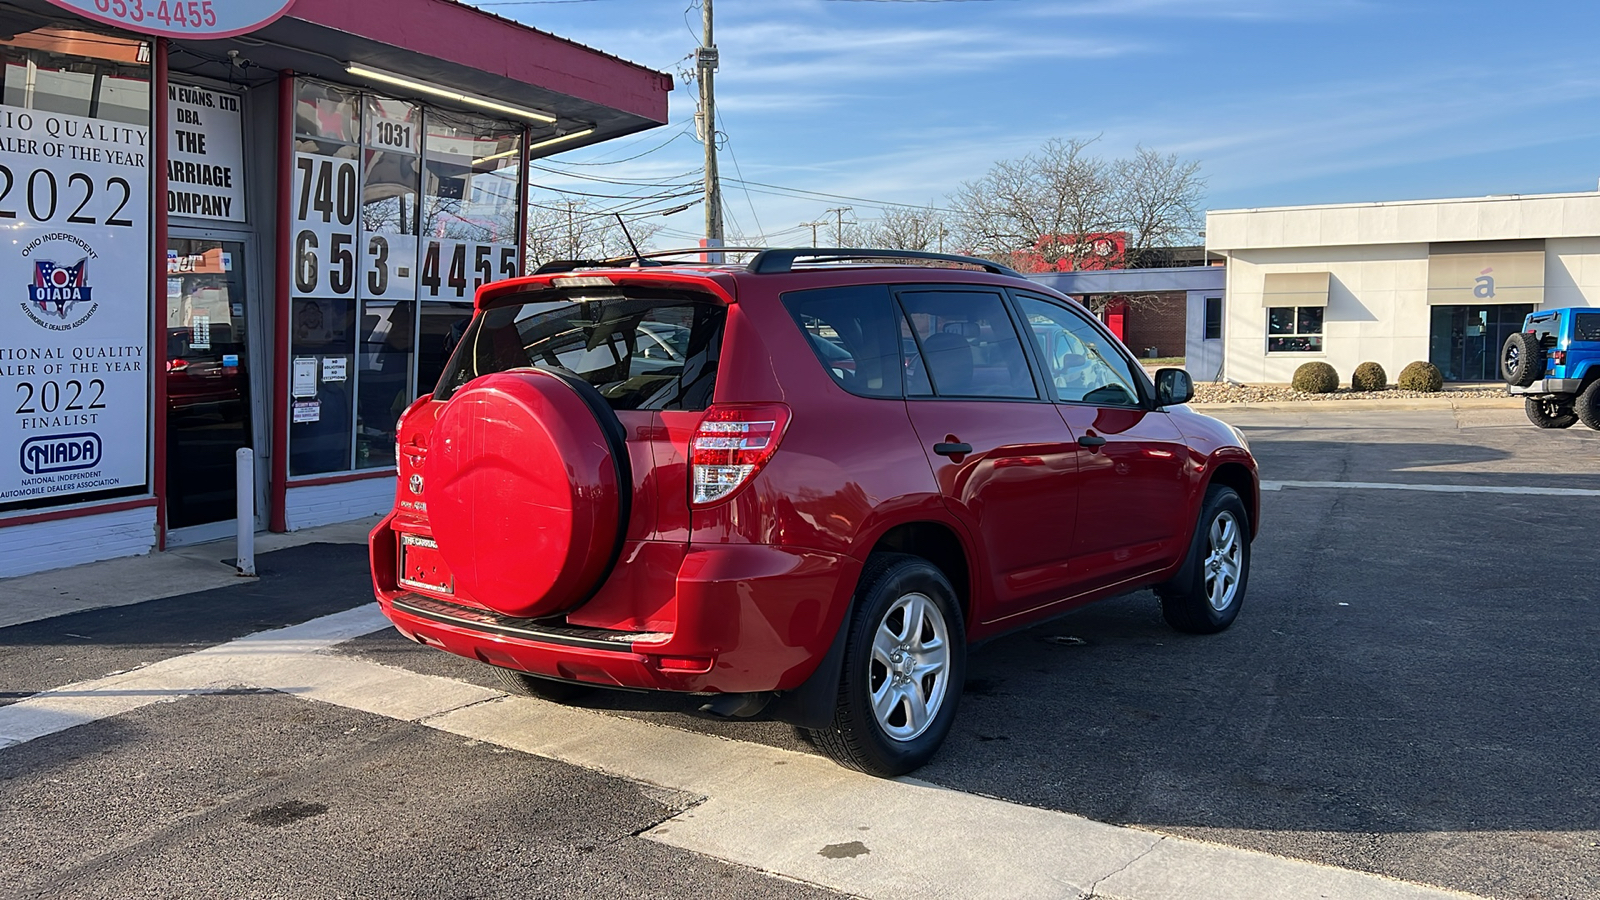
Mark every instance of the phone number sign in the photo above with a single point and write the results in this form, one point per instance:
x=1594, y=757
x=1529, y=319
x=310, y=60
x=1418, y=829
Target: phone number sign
x=181, y=18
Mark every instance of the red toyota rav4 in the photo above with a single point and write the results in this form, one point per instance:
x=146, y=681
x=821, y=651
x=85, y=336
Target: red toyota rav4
x=806, y=484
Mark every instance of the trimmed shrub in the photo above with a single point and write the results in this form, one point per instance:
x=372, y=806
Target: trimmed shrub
x=1421, y=376
x=1369, y=376
x=1315, y=378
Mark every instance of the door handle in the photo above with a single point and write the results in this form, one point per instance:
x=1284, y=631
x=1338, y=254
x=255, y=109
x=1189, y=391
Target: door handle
x=947, y=449
x=1091, y=440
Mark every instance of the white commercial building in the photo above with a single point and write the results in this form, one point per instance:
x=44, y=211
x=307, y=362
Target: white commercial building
x=1438, y=280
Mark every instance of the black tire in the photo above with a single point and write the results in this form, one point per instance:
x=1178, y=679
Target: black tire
x=1522, y=359
x=525, y=685
x=891, y=584
x=1587, y=406
x=1187, y=601
x=1547, y=412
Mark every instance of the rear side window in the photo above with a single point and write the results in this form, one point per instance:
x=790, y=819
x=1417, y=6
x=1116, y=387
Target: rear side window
x=1586, y=326
x=641, y=349
x=852, y=332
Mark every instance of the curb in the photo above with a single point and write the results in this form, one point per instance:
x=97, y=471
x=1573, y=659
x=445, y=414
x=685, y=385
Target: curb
x=1399, y=404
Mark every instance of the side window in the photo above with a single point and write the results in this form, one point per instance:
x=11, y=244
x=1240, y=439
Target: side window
x=852, y=331
x=966, y=345
x=1081, y=363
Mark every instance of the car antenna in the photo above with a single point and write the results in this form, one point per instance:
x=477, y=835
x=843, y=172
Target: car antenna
x=637, y=256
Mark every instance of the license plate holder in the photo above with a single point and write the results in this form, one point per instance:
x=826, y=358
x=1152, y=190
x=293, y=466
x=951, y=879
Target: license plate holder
x=422, y=567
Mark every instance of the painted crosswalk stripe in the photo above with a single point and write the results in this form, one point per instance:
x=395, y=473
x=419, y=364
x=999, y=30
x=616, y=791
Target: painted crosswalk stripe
x=1434, y=488
x=765, y=808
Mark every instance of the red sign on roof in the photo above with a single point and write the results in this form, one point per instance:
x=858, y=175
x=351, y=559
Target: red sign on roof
x=181, y=18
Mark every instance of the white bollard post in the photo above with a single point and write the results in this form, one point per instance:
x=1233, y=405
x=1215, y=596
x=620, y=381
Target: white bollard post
x=245, y=508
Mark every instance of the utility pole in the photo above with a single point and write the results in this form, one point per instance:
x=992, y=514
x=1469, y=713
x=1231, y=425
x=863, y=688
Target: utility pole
x=838, y=229
x=813, y=226
x=942, y=233
x=706, y=64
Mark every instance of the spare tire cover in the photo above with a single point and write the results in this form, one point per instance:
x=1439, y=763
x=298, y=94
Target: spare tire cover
x=523, y=493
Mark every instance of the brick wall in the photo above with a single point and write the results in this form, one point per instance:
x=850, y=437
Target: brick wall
x=1157, y=321
x=70, y=542
x=324, y=504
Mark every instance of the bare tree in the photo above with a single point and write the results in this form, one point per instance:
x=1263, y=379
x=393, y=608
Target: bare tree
x=1039, y=204
x=905, y=228
x=1158, y=200
x=1055, y=208
x=579, y=229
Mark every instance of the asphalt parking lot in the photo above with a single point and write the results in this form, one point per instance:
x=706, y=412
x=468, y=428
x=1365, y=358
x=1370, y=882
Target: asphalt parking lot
x=1412, y=689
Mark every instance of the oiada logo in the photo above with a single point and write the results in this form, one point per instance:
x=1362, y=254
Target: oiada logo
x=61, y=453
x=59, y=297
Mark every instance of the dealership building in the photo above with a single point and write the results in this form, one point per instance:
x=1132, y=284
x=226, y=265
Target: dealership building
x=253, y=223
x=1438, y=280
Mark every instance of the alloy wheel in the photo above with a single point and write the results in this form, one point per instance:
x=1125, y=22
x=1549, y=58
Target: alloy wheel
x=909, y=673
x=1224, y=560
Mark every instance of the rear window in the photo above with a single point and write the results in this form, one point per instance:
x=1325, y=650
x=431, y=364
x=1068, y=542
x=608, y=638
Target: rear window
x=641, y=349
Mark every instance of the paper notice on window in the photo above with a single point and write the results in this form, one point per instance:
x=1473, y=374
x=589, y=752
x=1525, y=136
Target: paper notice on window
x=333, y=368
x=307, y=411
x=304, y=383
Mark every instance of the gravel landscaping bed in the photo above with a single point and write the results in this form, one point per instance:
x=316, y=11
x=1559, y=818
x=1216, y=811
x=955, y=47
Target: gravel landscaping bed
x=1210, y=392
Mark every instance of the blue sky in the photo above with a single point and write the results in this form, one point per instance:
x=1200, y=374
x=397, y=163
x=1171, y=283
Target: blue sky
x=1281, y=101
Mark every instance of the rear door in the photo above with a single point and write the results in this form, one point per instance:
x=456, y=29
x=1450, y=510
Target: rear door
x=1001, y=454
x=1135, y=474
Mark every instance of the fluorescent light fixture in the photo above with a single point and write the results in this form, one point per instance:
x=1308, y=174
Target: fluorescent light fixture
x=447, y=93
x=559, y=138
x=494, y=156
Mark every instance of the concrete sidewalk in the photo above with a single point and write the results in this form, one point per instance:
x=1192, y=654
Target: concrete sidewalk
x=135, y=579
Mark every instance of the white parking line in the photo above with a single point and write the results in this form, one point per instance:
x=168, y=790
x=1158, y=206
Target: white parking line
x=1433, y=488
x=786, y=813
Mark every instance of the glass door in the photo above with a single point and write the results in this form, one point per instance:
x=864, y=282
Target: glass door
x=208, y=378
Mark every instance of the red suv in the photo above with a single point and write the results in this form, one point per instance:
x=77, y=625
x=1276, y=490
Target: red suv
x=805, y=485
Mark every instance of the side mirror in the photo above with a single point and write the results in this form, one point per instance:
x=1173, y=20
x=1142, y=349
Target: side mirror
x=1173, y=386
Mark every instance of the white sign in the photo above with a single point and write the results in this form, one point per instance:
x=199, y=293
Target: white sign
x=323, y=204
x=307, y=411
x=75, y=283
x=333, y=368
x=181, y=18
x=392, y=125
x=205, y=154
x=304, y=383
x=454, y=270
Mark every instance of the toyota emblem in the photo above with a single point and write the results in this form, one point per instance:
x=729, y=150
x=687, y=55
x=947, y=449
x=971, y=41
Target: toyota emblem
x=416, y=484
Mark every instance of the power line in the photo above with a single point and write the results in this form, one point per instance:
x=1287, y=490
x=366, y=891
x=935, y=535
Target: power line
x=870, y=202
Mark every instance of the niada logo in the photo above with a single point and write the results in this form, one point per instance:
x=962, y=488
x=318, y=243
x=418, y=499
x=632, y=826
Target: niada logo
x=61, y=453
x=60, y=291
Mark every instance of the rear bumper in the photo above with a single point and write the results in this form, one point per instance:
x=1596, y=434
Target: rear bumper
x=747, y=618
x=1548, y=386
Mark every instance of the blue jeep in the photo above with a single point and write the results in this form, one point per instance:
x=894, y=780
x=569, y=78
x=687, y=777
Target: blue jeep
x=1554, y=364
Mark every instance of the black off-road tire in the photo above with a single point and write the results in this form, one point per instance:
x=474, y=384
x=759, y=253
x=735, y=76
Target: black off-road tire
x=1547, y=412
x=1522, y=359
x=855, y=739
x=1187, y=601
x=524, y=685
x=1587, y=406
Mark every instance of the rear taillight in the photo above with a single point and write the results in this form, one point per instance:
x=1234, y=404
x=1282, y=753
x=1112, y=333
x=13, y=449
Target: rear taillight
x=1558, y=357
x=731, y=445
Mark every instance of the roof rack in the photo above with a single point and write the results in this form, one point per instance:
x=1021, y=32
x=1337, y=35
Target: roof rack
x=769, y=262
x=642, y=259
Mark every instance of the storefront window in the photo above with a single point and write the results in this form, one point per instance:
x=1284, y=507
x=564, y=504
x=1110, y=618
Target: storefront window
x=75, y=360
x=402, y=212
x=322, y=348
